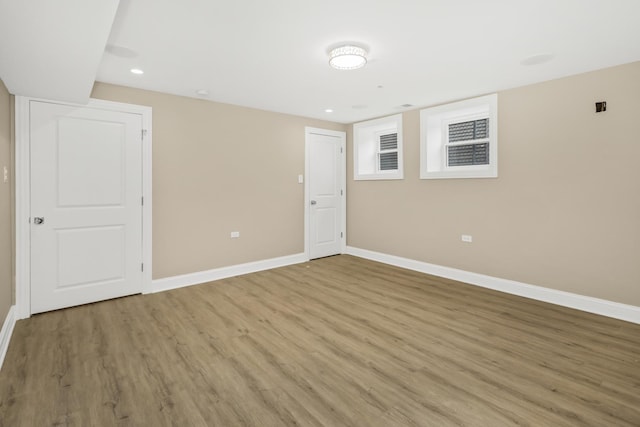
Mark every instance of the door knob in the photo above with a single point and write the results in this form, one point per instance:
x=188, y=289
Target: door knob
x=313, y=202
x=38, y=220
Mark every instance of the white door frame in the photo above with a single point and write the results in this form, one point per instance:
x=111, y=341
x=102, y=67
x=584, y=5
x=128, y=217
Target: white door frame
x=23, y=193
x=343, y=183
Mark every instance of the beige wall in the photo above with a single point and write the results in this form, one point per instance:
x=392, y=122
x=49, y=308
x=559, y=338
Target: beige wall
x=219, y=168
x=6, y=263
x=564, y=212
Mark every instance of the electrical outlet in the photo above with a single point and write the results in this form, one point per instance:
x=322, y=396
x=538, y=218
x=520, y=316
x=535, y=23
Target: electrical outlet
x=5, y=175
x=235, y=234
x=467, y=238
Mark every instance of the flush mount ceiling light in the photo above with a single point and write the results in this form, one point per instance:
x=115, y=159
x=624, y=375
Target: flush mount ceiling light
x=137, y=71
x=347, y=57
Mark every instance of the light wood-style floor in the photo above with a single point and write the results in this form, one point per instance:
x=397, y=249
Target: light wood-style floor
x=338, y=341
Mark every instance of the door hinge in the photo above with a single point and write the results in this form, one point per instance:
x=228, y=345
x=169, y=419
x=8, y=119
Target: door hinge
x=340, y=150
x=341, y=193
x=143, y=133
x=142, y=200
x=341, y=235
x=142, y=267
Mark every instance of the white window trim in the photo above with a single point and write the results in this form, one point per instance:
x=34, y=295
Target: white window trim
x=364, y=133
x=434, y=138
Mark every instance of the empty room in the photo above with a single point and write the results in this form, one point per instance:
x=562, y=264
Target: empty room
x=304, y=213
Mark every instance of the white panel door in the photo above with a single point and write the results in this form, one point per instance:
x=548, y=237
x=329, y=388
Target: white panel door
x=325, y=194
x=86, y=210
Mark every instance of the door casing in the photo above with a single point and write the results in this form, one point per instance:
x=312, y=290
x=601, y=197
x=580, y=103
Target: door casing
x=307, y=191
x=23, y=193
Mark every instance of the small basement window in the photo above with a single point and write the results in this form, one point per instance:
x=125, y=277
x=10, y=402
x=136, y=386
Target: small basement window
x=377, y=149
x=459, y=140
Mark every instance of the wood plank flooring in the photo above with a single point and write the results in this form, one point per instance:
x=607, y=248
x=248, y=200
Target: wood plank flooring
x=338, y=341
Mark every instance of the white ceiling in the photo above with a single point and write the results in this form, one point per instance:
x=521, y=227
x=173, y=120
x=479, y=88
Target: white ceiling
x=52, y=49
x=272, y=55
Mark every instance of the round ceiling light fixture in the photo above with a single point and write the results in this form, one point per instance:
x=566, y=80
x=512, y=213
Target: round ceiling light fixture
x=347, y=57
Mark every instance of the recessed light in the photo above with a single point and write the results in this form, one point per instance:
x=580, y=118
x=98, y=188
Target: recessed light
x=537, y=59
x=202, y=92
x=137, y=71
x=328, y=110
x=121, y=51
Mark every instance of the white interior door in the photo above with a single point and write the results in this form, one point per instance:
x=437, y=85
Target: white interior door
x=325, y=191
x=86, y=205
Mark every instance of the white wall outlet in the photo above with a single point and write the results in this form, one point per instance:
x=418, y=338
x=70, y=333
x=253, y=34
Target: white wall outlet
x=300, y=179
x=466, y=238
x=235, y=234
x=5, y=175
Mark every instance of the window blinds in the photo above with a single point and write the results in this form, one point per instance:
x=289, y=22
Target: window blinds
x=388, y=157
x=476, y=152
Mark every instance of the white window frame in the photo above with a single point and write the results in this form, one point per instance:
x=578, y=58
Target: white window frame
x=366, y=148
x=434, y=138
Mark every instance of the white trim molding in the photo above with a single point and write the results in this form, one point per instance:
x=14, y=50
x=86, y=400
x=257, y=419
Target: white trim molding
x=629, y=313
x=175, y=282
x=23, y=193
x=6, y=332
x=23, y=208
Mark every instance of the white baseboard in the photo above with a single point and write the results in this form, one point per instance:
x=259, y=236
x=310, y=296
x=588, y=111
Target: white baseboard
x=181, y=281
x=629, y=313
x=6, y=332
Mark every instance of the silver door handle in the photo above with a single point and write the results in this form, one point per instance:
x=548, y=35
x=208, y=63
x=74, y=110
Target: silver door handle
x=313, y=202
x=38, y=220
